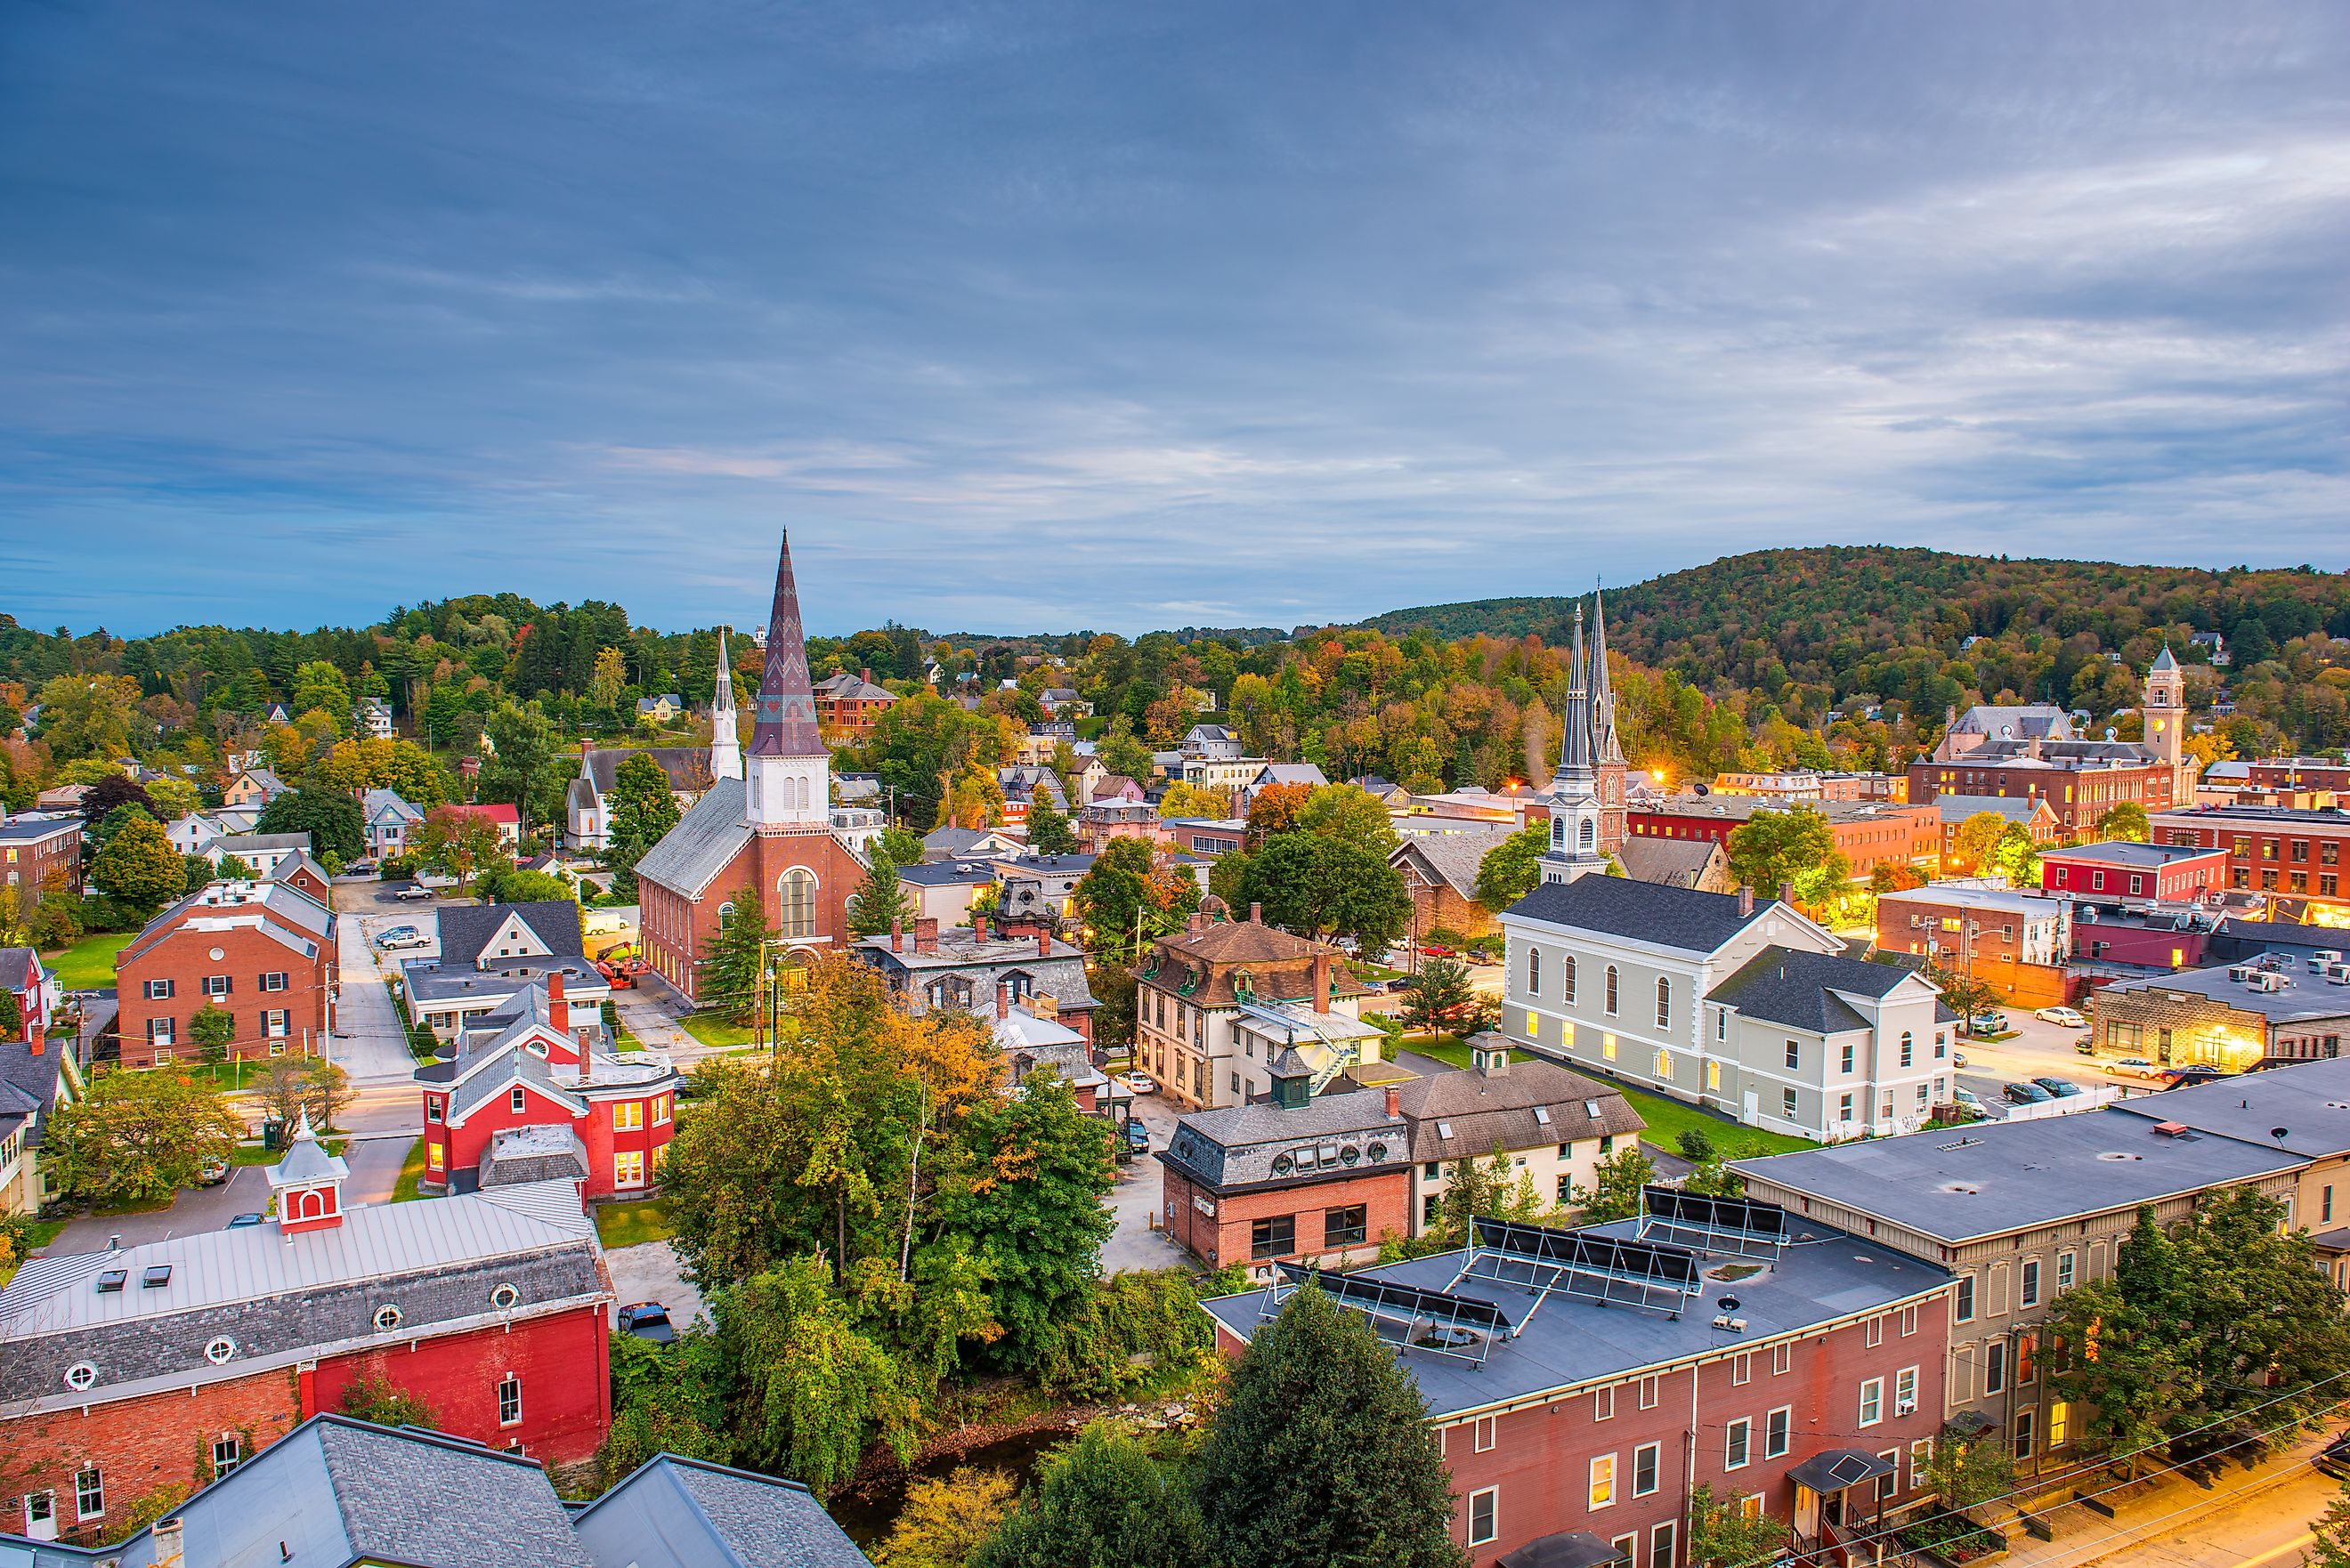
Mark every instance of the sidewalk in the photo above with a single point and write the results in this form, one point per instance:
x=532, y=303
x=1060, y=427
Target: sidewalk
x=2141, y=1516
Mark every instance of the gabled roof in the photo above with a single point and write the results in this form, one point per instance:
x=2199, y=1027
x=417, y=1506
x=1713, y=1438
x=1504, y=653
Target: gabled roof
x=1669, y=862
x=704, y=842
x=1800, y=989
x=379, y=805
x=1453, y=858
x=1235, y=1146
x=1469, y=1114
x=2020, y=808
x=673, y=1513
x=466, y=928
x=1681, y=918
x=686, y=767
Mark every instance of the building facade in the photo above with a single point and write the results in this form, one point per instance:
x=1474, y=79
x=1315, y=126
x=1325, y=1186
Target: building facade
x=1292, y=1178
x=1191, y=992
x=264, y=953
x=2152, y=873
x=40, y=851
x=2231, y=1018
x=1868, y=833
x=2295, y=855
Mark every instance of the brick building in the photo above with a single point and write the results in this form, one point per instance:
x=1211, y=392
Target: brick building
x=1868, y=833
x=849, y=704
x=1589, y=1379
x=2231, y=1017
x=2155, y=873
x=772, y=831
x=120, y=1369
x=1814, y=787
x=1553, y=1125
x=2293, y=856
x=1439, y=873
x=2110, y=941
x=929, y=970
x=263, y=952
x=1190, y=991
x=2299, y=773
x=535, y=1093
x=38, y=851
x=1291, y=1177
x=2016, y=941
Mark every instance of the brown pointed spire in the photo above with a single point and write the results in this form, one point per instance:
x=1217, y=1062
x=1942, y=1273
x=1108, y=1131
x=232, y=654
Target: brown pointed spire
x=785, y=723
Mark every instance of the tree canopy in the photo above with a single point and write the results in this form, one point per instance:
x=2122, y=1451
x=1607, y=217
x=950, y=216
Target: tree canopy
x=139, y=1136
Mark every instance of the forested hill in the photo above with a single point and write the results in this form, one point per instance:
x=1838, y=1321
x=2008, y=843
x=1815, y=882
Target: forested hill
x=1854, y=619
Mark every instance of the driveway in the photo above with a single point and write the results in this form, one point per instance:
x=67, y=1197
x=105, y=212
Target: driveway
x=651, y=1272
x=372, y=1044
x=197, y=1209
x=1139, y=1197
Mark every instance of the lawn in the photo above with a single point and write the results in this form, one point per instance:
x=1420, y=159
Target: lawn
x=412, y=1172
x=1453, y=1052
x=88, y=964
x=714, y=1029
x=628, y=1224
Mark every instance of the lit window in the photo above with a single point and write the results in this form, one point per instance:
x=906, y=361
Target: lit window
x=629, y=1116
x=628, y=1168
x=1603, y=1480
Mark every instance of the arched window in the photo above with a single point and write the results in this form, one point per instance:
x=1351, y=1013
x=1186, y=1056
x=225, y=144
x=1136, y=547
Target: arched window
x=1533, y=971
x=726, y=914
x=1664, y=1003
x=1590, y=832
x=800, y=793
x=1566, y=977
x=1559, y=832
x=795, y=914
x=1611, y=988
x=1908, y=1048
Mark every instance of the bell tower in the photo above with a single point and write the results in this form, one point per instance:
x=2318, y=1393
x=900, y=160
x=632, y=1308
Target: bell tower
x=2166, y=718
x=1575, y=810
x=789, y=785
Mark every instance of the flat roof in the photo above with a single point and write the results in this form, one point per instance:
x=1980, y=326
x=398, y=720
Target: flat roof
x=1970, y=895
x=2310, y=1101
x=1566, y=1343
x=2304, y=995
x=2255, y=816
x=2124, y=852
x=1987, y=1179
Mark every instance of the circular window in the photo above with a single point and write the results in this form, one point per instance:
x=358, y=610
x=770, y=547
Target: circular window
x=387, y=1317
x=218, y=954
x=1349, y=1155
x=1378, y=1151
x=505, y=1296
x=220, y=1350
x=1282, y=1164
x=80, y=1375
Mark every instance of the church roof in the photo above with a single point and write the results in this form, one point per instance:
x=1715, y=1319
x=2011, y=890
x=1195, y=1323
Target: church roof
x=704, y=843
x=1574, y=740
x=1606, y=748
x=785, y=724
x=2163, y=661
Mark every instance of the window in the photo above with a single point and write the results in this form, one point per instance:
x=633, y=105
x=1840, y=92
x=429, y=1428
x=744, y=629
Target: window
x=1741, y=1367
x=1909, y=1320
x=1874, y=1332
x=1794, y=1055
x=1662, y=1542
x=1722, y=1023
x=628, y=1168
x=1611, y=989
x=1533, y=971
x=1872, y=1402
x=1844, y=1108
x=660, y=1110
x=517, y=1101
x=1787, y=1103
x=1736, y=1443
x=1648, y=1391
x=1664, y=1063
x=2325, y=1203
x=629, y=1116
x=1921, y=1454
x=158, y=1032
x=1345, y=1227
x=89, y=1493
x=1905, y=1391
x=797, y=905
x=1966, y=1303
x=1603, y=1404
x=1603, y=1480
x=2060, y=1417
x=1776, y=1426
x=274, y=981
x=2026, y=1419
x=387, y=1318
x=1714, y=1076
x=509, y=1400
x=432, y=1107
x=1566, y=977
x=1664, y=1003
x=2029, y=1292
x=1890, y=1481
x=1844, y=1059
x=1480, y=1434
x=276, y=1023
x=1646, y=1468
x=1995, y=1367
x=1908, y=1048
x=1608, y=1047
x=158, y=991
x=1782, y=1357
x=1272, y=1237
x=1483, y=1525
x=228, y=1452
x=215, y=985
x=220, y=1350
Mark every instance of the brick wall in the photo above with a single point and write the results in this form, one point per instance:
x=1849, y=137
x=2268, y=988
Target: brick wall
x=183, y=956
x=29, y=864
x=1224, y=1236
x=461, y=1146
x=560, y=1361
x=1438, y=905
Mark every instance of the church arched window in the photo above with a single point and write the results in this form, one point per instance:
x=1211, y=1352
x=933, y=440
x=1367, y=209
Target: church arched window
x=1559, y=832
x=726, y=914
x=1566, y=977
x=795, y=912
x=1611, y=988
x=1590, y=832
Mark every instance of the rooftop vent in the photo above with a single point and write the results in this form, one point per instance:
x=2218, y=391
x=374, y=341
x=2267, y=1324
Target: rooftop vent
x=1444, y=1129
x=1961, y=1188
x=2171, y=1129
x=112, y=1280
x=1963, y=1143
x=156, y=1277
x=2115, y=1154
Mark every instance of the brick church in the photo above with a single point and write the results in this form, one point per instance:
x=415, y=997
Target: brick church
x=765, y=824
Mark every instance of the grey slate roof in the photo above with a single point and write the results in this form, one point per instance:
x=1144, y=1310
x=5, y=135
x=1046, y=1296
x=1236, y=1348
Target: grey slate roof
x=1489, y=1111
x=672, y=1513
x=1679, y=918
x=1780, y=985
x=1453, y=857
x=1671, y=862
x=238, y=843
x=688, y=767
x=2016, y=808
x=704, y=843
x=1234, y=1148
x=1987, y=1179
x=540, y=1153
x=466, y=928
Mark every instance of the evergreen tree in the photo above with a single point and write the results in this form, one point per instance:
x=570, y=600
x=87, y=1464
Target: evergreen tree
x=643, y=808
x=1103, y=1501
x=1049, y=832
x=731, y=964
x=881, y=899
x=1322, y=1453
x=1441, y=993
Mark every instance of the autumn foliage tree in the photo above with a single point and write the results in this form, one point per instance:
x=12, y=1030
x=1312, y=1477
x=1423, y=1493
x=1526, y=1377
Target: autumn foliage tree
x=138, y=1137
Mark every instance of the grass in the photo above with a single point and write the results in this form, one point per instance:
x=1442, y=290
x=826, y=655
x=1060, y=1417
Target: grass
x=412, y=1172
x=1453, y=1052
x=88, y=964
x=715, y=1029
x=1666, y=1118
x=629, y=1224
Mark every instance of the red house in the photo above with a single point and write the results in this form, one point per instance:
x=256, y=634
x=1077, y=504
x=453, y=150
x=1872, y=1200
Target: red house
x=2163, y=873
x=118, y=1368
x=534, y=1095
x=1290, y=1178
x=40, y=850
x=263, y=952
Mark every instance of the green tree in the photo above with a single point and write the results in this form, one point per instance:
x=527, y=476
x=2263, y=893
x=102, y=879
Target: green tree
x=1351, y=815
x=139, y=1136
x=1617, y=1183
x=1319, y=884
x=460, y=844
x=2126, y=820
x=666, y=1399
x=138, y=868
x=211, y=1029
x=943, y=1523
x=1103, y=1501
x=643, y=807
x=1796, y=845
x=814, y=1392
x=1490, y=1189
x=881, y=899
x=1966, y=995
x=319, y=685
x=1322, y=1453
x=1132, y=877
x=520, y=767
x=2330, y=1532
x=88, y=715
x=1049, y=832
x=376, y=1399
x=2017, y=857
x=294, y=1087
x=331, y=818
x=1723, y=1534
x=1977, y=836
x=12, y=1016
x=1511, y=868
x=734, y=959
x=505, y=884
x=903, y=845
x=1441, y=994
x=1122, y=754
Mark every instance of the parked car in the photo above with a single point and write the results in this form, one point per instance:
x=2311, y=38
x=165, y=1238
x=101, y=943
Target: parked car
x=2027, y=1094
x=2133, y=1067
x=1987, y=1023
x=2085, y=1044
x=647, y=1320
x=1138, y=1137
x=212, y=1172
x=2193, y=1073
x=2333, y=1459
x=1958, y=1058
x=242, y=1220
x=1431, y=950
x=2063, y=1015
x=2063, y=1089
x=360, y=868
x=1138, y=1083
x=413, y=892
x=396, y=941
x=1965, y=1098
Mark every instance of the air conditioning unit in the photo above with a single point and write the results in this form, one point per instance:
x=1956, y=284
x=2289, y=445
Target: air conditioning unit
x=1906, y=1408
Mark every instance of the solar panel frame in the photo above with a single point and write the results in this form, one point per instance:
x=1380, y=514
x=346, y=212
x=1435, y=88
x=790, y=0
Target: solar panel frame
x=1407, y=1309
x=1744, y=1223
x=1611, y=1271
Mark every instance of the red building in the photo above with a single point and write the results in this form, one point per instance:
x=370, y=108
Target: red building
x=1289, y=1178
x=2162, y=873
x=170, y=1363
x=534, y=1095
x=263, y=952
x=2298, y=857
x=1582, y=1382
x=849, y=703
x=506, y=819
x=1868, y=834
x=39, y=851
x=769, y=834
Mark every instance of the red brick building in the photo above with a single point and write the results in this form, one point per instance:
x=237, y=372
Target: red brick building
x=1440, y=875
x=770, y=832
x=1867, y=833
x=1560, y=1416
x=848, y=704
x=39, y=851
x=2162, y=873
x=263, y=952
x=2298, y=857
x=535, y=1093
x=170, y=1363
x=1290, y=1178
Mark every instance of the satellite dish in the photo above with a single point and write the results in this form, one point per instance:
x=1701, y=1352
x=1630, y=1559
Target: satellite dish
x=2280, y=1133
x=1729, y=1303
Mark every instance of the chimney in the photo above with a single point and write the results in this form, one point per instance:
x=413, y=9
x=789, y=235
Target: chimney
x=866, y=675
x=1256, y=914
x=1044, y=942
x=1745, y=901
x=169, y=1540
x=979, y=927
x=896, y=934
x=36, y=1043
x=559, y=1012
x=1394, y=1102
x=1322, y=981
x=1197, y=923
x=926, y=935
x=1787, y=894
x=1003, y=998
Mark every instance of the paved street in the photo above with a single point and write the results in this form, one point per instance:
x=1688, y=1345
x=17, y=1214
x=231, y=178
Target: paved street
x=2248, y=1521
x=1137, y=1196
x=371, y=1046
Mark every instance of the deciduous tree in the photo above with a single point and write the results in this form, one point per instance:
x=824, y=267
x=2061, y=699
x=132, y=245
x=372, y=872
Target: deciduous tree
x=944, y=1523
x=298, y=1086
x=1977, y=836
x=333, y=820
x=1796, y=845
x=138, y=868
x=460, y=844
x=2125, y=821
x=1350, y=815
x=644, y=807
x=1723, y=1534
x=1103, y=1501
x=1049, y=832
x=138, y=1137
x=1133, y=878
x=734, y=959
x=1511, y=868
x=1319, y=884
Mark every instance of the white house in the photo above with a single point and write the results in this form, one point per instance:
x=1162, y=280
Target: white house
x=391, y=821
x=376, y=719
x=191, y=833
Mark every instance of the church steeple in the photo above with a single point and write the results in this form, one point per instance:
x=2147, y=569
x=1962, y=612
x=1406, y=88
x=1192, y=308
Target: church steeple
x=1606, y=748
x=790, y=778
x=725, y=744
x=1575, y=743
x=1574, y=806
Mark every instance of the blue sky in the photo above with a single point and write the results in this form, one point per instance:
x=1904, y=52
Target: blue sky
x=1043, y=316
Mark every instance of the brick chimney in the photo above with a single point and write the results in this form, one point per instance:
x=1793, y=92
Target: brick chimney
x=1256, y=914
x=979, y=927
x=866, y=675
x=926, y=935
x=896, y=934
x=1394, y=1102
x=1003, y=998
x=1745, y=901
x=1322, y=982
x=1197, y=923
x=559, y=1012
x=1044, y=942
x=1787, y=894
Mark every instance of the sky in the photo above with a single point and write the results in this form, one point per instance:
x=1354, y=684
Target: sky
x=1118, y=316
